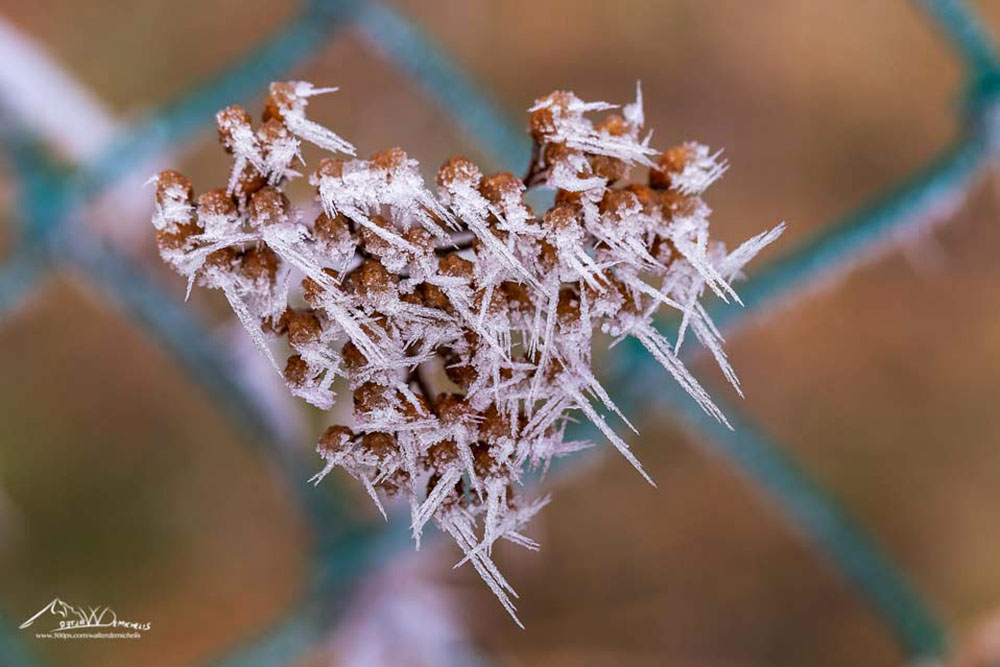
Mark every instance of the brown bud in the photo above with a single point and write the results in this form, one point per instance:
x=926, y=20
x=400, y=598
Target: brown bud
x=433, y=296
x=455, y=267
x=248, y=182
x=452, y=408
x=458, y=169
x=561, y=217
x=374, y=243
x=494, y=425
x=382, y=445
x=676, y=204
x=331, y=231
x=303, y=326
x=296, y=371
x=228, y=120
x=334, y=440
x=568, y=308
x=517, y=296
x=329, y=168
x=671, y=162
x=610, y=168
x=568, y=198
x=172, y=184
x=613, y=124
x=223, y=259
x=274, y=134
x=312, y=291
x=616, y=200
x=370, y=279
x=394, y=483
x=389, y=158
x=353, y=357
x=410, y=411
x=548, y=256
x=496, y=187
x=441, y=454
x=216, y=202
x=371, y=396
x=543, y=121
x=648, y=198
x=663, y=249
x=269, y=206
x=497, y=304
x=483, y=462
x=281, y=96
x=260, y=263
x=555, y=153
x=421, y=238
x=462, y=374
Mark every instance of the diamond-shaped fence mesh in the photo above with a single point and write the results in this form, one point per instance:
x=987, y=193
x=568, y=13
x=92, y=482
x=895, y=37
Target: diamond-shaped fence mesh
x=50, y=197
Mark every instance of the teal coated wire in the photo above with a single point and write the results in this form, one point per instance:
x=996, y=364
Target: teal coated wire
x=410, y=50
x=966, y=33
x=806, y=505
x=839, y=246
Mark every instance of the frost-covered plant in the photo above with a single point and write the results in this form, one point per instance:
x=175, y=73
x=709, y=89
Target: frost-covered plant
x=398, y=280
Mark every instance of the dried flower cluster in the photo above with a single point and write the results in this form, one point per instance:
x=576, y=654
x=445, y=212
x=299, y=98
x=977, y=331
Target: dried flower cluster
x=397, y=281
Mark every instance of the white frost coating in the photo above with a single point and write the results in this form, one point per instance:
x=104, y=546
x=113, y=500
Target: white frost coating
x=400, y=283
x=291, y=101
x=703, y=169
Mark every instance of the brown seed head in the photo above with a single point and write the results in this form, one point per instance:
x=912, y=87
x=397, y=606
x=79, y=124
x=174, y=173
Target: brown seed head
x=440, y=454
x=458, y=169
x=334, y=440
x=228, y=120
x=223, y=259
x=281, y=97
x=497, y=187
x=452, y=408
x=389, y=159
x=329, y=168
x=382, y=445
x=568, y=308
x=543, y=121
x=312, y=291
x=331, y=231
x=371, y=396
x=172, y=185
x=217, y=202
x=371, y=279
x=296, y=371
x=615, y=201
x=303, y=326
x=260, y=263
x=269, y=206
x=354, y=359
x=669, y=163
x=560, y=217
x=454, y=266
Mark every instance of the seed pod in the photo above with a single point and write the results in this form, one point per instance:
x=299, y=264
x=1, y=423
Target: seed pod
x=458, y=170
x=334, y=440
x=231, y=121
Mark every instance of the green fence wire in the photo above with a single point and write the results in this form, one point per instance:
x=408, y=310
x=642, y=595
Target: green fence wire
x=344, y=548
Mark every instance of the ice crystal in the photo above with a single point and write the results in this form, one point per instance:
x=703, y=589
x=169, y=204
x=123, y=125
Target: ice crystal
x=395, y=280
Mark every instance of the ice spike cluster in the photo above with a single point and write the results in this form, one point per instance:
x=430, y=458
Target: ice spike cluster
x=461, y=319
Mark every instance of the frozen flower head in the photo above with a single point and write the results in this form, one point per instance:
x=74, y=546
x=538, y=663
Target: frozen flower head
x=461, y=319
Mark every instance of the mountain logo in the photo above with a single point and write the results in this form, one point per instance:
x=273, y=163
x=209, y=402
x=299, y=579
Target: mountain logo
x=70, y=617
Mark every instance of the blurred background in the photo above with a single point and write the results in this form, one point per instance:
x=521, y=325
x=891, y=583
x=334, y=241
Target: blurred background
x=124, y=482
